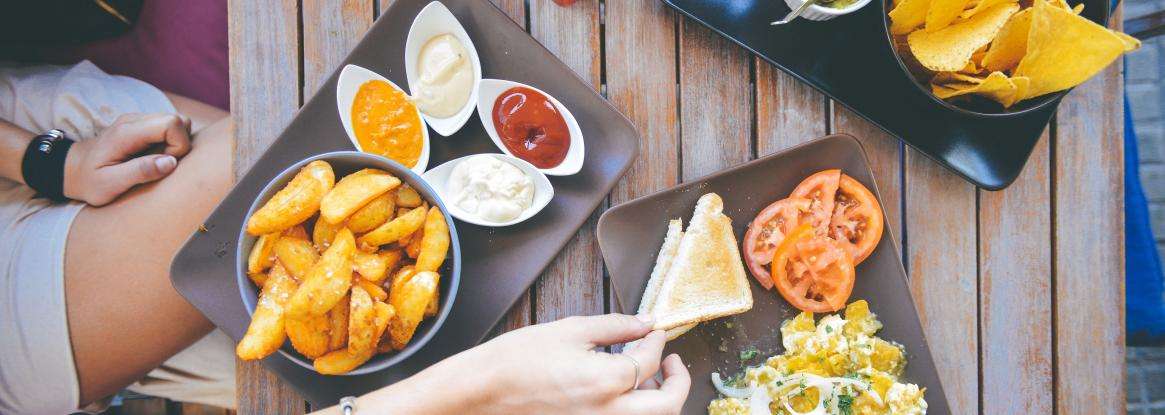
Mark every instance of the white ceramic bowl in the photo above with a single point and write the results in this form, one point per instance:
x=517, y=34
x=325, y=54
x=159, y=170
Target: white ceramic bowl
x=492, y=88
x=821, y=13
x=438, y=179
x=346, y=87
x=435, y=20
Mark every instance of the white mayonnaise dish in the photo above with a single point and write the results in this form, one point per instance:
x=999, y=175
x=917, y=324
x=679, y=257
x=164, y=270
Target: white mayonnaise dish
x=446, y=76
x=490, y=188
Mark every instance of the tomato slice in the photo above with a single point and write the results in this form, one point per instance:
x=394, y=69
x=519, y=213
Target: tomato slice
x=812, y=272
x=857, y=218
x=768, y=230
x=821, y=188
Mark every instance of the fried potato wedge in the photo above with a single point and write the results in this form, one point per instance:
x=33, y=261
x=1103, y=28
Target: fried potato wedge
x=296, y=202
x=353, y=192
x=262, y=254
x=434, y=303
x=394, y=229
x=345, y=360
x=374, y=214
x=371, y=267
x=392, y=259
x=296, y=231
x=402, y=276
x=407, y=196
x=413, y=248
x=328, y=280
x=323, y=233
x=309, y=334
x=266, y=332
x=361, y=321
x=377, y=293
x=298, y=255
x=338, y=324
x=410, y=300
x=434, y=242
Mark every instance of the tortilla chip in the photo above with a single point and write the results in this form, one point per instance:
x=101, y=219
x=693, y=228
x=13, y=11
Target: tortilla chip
x=1131, y=43
x=984, y=5
x=996, y=87
x=1010, y=43
x=1064, y=50
x=942, y=12
x=1079, y=8
x=956, y=78
x=1022, y=84
x=949, y=49
x=908, y=15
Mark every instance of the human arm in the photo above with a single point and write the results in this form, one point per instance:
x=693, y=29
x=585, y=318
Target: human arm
x=98, y=171
x=548, y=368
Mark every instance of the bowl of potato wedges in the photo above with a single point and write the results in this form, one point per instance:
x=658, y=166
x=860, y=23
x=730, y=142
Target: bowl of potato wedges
x=348, y=263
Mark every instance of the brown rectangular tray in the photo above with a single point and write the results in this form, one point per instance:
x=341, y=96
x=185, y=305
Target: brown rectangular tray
x=499, y=264
x=630, y=235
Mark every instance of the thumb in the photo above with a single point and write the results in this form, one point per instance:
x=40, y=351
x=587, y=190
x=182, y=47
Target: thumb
x=140, y=170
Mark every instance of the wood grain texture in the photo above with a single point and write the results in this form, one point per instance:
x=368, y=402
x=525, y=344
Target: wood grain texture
x=331, y=28
x=1089, y=264
x=264, y=78
x=885, y=154
x=788, y=111
x=715, y=102
x=1015, y=297
x=197, y=409
x=573, y=283
x=940, y=253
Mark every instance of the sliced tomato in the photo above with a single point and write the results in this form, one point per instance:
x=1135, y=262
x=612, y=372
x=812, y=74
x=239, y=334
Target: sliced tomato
x=820, y=188
x=768, y=230
x=812, y=272
x=857, y=218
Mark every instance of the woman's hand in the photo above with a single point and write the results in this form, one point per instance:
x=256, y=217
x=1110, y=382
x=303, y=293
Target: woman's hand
x=550, y=368
x=98, y=171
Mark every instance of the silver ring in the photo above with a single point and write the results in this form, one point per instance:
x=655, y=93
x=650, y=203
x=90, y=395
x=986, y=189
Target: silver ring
x=348, y=405
x=634, y=380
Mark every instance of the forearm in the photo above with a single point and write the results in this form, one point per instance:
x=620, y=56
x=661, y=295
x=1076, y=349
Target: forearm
x=13, y=141
x=444, y=388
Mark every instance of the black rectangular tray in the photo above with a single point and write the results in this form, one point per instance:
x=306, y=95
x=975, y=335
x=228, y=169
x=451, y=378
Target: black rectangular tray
x=498, y=264
x=851, y=60
x=630, y=235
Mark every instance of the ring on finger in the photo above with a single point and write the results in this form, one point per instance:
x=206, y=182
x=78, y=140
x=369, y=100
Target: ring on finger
x=634, y=380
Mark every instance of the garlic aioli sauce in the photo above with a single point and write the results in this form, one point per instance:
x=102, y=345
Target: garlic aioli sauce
x=446, y=76
x=490, y=188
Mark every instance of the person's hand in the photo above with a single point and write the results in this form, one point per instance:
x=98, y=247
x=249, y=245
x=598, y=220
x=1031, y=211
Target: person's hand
x=98, y=171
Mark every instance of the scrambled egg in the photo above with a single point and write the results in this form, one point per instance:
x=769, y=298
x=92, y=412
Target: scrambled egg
x=834, y=366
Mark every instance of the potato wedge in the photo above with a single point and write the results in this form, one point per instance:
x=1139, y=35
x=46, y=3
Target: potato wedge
x=392, y=259
x=434, y=306
x=338, y=324
x=402, y=276
x=410, y=301
x=371, y=267
x=435, y=242
x=265, y=334
x=361, y=321
x=262, y=254
x=353, y=192
x=374, y=214
x=328, y=280
x=258, y=278
x=298, y=255
x=377, y=293
x=323, y=233
x=309, y=334
x=345, y=360
x=407, y=196
x=296, y=202
x=296, y=231
x=413, y=248
x=394, y=229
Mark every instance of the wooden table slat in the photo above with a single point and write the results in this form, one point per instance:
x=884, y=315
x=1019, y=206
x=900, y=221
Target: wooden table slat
x=715, y=102
x=788, y=111
x=885, y=155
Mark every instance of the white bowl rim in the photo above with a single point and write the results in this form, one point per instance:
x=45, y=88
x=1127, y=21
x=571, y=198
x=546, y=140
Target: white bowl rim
x=575, y=155
x=535, y=175
x=833, y=11
x=345, y=111
x=449, y=125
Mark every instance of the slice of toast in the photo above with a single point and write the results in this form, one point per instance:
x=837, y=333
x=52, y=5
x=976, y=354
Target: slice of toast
x=663, y=261
x=706, y=279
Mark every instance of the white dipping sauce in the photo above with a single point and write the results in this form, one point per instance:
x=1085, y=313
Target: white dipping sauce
x=446, y=76
x=490, y=188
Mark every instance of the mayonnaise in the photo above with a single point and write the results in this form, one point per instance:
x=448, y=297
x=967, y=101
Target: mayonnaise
x=445, y=76
x=490, y=188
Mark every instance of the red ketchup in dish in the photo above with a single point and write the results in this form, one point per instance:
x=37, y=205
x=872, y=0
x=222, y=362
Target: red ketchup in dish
x=531, y=127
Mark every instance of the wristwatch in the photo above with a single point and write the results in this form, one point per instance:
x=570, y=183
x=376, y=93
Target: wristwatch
x=43, y=166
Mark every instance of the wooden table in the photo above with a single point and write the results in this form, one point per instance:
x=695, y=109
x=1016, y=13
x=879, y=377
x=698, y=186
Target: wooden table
x=1021, y=291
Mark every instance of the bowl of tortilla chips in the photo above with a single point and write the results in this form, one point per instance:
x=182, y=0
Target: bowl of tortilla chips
x=1001, y=57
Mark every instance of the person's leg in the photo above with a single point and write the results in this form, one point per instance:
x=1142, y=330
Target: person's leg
x=124, y=316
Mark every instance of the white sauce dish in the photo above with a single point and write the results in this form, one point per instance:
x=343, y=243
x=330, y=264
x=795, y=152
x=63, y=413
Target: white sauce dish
x=479, y=187
x=433, y=21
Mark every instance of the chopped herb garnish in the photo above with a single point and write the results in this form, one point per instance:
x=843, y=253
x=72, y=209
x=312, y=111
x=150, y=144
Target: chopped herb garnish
x=829, y=329
x=845, y=404
x=748, y=354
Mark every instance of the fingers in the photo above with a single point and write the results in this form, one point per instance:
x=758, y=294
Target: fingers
x=647, y=352
x=667, y=399
x=135, y=133
x=676, y=379
x=144, y=169
x=603, y=330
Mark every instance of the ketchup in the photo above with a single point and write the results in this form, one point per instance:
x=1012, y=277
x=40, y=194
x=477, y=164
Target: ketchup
x=531, y=127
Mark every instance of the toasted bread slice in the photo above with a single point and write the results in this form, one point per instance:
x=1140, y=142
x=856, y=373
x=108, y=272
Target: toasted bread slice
x=663, y=261
x=706, y=279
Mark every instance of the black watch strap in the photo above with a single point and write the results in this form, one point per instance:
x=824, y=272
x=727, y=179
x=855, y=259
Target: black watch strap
x=43, y=166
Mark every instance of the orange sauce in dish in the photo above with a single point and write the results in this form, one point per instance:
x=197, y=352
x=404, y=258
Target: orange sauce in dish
x=386, y=123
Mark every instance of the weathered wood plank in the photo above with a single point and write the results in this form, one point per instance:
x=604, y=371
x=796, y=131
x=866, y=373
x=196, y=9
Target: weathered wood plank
x=788, y=111
x=144, y=406
x=885, y=155
x=197, y=409
x=940, y=252
x=1089, y=240
x=573, y=284
x=715, y=102
x=331, y=28
x=264, y=76
x=1015, y=301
